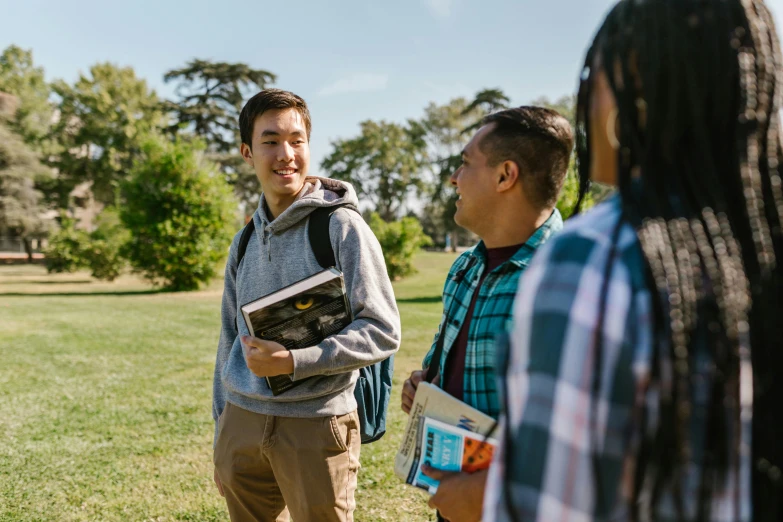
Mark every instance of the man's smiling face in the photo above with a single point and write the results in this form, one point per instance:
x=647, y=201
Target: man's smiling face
x=475, y=181
x=279, y=154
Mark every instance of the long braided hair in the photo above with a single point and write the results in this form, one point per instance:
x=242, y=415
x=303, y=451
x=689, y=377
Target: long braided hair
x=698, y=89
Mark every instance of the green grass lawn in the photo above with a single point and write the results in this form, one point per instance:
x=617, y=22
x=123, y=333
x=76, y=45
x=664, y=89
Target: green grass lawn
x=105, y=399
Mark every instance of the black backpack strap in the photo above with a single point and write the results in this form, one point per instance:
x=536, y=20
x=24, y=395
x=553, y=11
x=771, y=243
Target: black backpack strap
x=318, y=234
x=244, y=239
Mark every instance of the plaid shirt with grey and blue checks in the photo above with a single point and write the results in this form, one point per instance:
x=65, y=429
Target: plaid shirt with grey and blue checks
x=491, y=313
x=561, y=434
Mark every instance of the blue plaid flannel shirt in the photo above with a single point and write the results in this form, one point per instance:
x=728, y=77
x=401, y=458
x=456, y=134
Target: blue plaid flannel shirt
x=547, y=378
x=490, y=315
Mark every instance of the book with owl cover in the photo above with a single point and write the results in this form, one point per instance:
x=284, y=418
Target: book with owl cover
x=448, y=448
x=300, y=315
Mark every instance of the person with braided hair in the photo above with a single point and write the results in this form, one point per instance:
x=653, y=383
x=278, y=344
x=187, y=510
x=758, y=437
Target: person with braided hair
x=642, y=377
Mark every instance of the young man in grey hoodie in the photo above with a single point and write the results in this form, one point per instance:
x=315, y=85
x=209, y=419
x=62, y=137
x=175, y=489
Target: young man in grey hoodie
x=297, y=452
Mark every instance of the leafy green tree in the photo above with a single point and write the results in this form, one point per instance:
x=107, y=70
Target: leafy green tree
x=570, y=193
x=100, y=251
x=211, y=95
x=103, y=118
x=448, y=129
x=180, y=214
x=489, y=100
x=65, y=252
x=104, y=253
x=21, y=204
x=565, y=105
x=444, y=125
x=210, y=98
x=399, y=240
x=485, y=102
x=384, y=163
x=21, y=78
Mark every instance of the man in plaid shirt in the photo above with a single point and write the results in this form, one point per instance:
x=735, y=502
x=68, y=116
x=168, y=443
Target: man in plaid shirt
x=509, y=181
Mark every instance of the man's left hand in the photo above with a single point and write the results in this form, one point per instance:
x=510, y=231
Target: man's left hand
x=266, y=358
x=460, y=496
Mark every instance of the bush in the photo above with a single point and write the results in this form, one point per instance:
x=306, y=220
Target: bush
x=99, y=251
x=65, y=252
x=104, y=252
x=570, y=193
x=180, y=214
x=399, y=241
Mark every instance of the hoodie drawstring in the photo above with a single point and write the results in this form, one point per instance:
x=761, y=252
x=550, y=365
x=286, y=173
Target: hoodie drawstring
x=268, y=246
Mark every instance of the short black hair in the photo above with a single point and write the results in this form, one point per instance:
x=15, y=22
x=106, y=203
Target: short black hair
x=267, y=100
x=539, y=141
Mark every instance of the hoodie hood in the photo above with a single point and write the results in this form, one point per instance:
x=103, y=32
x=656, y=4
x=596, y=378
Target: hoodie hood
x=317, y=192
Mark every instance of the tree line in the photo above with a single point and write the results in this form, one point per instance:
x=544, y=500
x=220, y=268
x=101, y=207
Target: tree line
x=165, y=172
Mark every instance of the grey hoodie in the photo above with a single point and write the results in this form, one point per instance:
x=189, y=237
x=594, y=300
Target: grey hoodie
x=279, y=254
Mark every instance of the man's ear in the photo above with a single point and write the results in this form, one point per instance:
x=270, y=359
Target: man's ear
x=508, y=175
x=247, y=154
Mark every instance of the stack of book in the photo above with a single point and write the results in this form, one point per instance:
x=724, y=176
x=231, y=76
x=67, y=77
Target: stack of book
x=444, y=433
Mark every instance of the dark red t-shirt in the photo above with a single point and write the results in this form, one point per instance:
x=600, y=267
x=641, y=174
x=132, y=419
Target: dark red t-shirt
x=454, y=372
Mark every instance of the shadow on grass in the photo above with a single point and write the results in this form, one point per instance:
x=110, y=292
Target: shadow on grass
x=84, y=294
x=46, y=282
x=421, y=300
x=6, y=273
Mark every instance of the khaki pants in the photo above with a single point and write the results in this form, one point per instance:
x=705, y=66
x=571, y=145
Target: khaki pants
x=270, y=466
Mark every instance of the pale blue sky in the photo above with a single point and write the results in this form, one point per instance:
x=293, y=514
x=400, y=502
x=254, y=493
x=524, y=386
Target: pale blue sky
x=351, y=60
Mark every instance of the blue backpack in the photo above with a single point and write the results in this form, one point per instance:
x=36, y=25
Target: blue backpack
x=373, y=388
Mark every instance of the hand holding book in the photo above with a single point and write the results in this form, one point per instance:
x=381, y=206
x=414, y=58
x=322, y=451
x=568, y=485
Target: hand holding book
x=437, y=405
x=266, y=358
x=460, y=496
x=411, y=385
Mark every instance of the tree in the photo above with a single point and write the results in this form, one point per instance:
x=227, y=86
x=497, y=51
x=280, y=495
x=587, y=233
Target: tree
x=399, y=240
x=104, y=253
x=66, y=251
x=486, y=102
x=384, y=163
x=20, y=78
x=444, y=125
x=570, y=193
x=448, y=129
x=22, y=212
x=180, y=214
x=100, y=251
x=565, y=105
x=211, y=96
x=103, y=118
